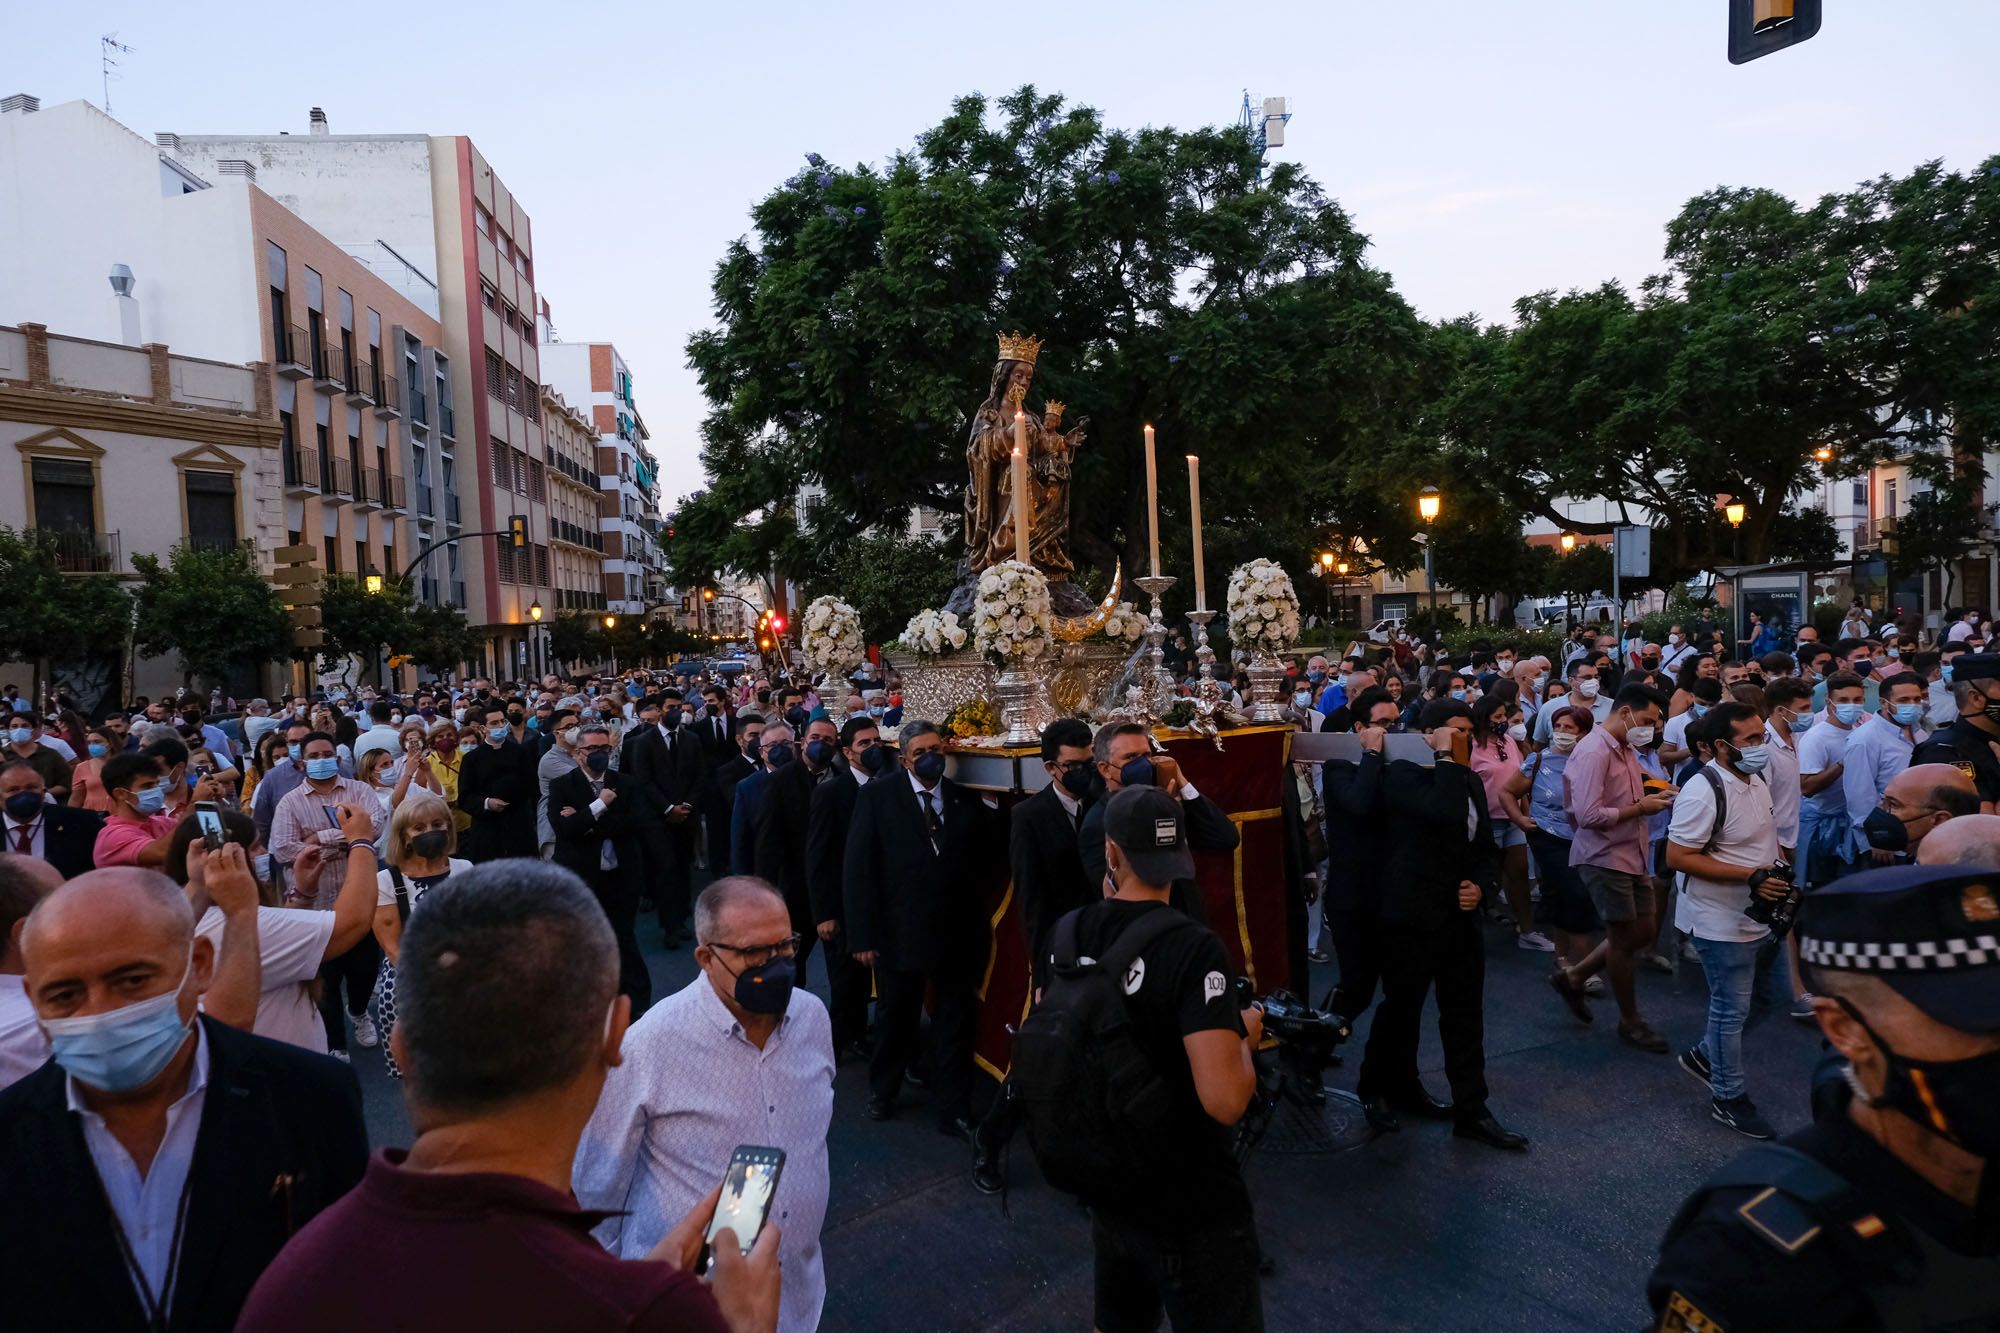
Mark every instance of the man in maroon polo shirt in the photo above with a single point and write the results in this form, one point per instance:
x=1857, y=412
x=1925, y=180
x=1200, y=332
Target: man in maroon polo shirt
x=507, y=1019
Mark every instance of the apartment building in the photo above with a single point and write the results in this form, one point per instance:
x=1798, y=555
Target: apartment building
x=108, y=236
x=575, y=541
x=595, y=377
x=429, y=215
x=130, y=451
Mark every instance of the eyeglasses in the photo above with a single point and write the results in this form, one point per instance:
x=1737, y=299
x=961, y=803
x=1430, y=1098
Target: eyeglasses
x=756, y=955
x=1076, y=766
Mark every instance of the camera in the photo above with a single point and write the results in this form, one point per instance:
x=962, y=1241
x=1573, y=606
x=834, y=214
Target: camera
x=1306, y=1039
x=1295, y=1023
x=1776, y=914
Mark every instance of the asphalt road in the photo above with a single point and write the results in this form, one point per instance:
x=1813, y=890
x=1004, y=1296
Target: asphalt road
x=1414, y=1230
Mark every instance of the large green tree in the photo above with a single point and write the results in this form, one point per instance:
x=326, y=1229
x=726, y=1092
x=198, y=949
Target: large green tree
x=438, y=638
x=210, y=608
x=47, y=615
x=359, y=625
x=887, y=579
x=855, y=331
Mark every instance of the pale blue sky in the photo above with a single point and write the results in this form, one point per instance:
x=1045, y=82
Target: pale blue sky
x=1489, y=148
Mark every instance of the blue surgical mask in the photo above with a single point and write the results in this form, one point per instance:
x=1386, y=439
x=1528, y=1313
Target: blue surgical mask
x=121, y=1049
x=261, y=864
x=1803, y=722
x=98, y=749
x=1302, y=698
x=1752, y=759
x=497, y=734
x=1699, y=710
x=1847, y=714
x=1458, y=694
x=150, y=801
x=1908, y=715
x=20, y=735
x=319, y=770
x=1137, y=772
x=1945, y=670
x=296, y=749
x=928, y=767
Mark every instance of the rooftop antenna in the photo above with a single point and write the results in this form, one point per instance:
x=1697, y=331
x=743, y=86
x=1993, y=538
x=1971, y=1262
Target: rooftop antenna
x=1266, y=128
x=106, y=46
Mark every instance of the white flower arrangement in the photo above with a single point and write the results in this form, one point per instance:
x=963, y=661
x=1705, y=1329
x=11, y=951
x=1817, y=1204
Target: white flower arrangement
x=832, y=636
x=1125, y=623
x=933, y=633
x=1263, y=607
x=1011, y=615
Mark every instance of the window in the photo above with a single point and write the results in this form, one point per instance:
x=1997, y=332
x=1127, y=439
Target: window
x=509, y=316
x=330, y=547
x=281, y=324
x=503, y=466
x=360, y=557
x=495, y=383
x=506, y=248
x=482, y=221
x=542, y=566
x=487, y=297
x=505, y=549
x=514, y=388
x=520, y=472
x=537, y=484
x=1860, y=493
x=211, y=509
x=64, y=495
x=531, y=401
x=1889, y=509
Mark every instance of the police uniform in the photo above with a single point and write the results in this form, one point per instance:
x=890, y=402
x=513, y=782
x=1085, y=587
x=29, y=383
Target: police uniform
x=1827, y=1230
x=1961, y=744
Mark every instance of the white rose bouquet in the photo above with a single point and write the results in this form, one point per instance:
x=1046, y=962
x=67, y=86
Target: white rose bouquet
x=1263, y=607
x=832, y=636
x=1011, y=616
x=933, y=633
x=1125, y=624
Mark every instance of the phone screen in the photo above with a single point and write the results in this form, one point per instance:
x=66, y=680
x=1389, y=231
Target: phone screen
x=332, y=816
x=747, y=1188
x=209, y=819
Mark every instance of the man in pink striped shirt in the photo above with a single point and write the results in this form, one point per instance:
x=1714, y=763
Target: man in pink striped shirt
x=1608, y=807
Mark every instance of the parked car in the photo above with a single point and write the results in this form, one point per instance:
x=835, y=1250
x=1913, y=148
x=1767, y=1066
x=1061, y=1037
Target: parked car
x=1385, y=630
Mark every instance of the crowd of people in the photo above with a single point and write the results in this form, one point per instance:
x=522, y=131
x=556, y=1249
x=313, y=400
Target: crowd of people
x=202, y=904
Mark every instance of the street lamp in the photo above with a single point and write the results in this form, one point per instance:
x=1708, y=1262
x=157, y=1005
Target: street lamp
x=1568, y=542
x=1733, y=511
x=611, y=622
x=1824, y=454
x=1428, y=504
x=535, y=609
x=372, y=580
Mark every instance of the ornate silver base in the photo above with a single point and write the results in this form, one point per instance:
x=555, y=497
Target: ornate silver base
x=1267, y=680
x=1016, y=689
x=1211, y=688
x=1157, y=686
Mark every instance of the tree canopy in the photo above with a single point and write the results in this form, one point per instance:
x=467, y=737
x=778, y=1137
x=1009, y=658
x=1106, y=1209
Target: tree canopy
x=47, y=615
x=209, y=607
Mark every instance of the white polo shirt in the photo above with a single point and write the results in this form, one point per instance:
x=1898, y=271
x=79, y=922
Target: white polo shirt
x=1710, y=909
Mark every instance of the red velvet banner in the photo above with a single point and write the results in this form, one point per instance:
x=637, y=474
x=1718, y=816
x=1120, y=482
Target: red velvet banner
x=1243, y=890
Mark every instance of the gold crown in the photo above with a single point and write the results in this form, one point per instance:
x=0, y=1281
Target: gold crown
x=1052, y=410
x=1020, y=347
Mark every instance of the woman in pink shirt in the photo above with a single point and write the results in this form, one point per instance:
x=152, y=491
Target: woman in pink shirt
x=1498, y=750
x=84, y=788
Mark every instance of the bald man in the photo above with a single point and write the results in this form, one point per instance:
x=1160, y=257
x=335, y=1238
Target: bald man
x=148, y=1108
x=1967, y=840
x=1917, y=802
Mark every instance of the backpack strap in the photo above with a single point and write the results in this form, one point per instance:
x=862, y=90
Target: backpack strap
x=1721, y=810
x=402, y=895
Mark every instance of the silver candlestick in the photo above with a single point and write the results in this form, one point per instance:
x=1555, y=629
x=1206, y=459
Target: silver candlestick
x=1210, y=687
x=1158, y=681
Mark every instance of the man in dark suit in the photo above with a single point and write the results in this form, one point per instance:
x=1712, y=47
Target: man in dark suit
x=667, y=760
x=62, y=835
x=96, y=1144
x=716, y=728
x=781, y=831
x=1440, y=855
x=741, y=763
x=597, y=818
x=497, y=788
x=1125, y=757
x=1042, y=848
x=863, y=757
x=913, y=914
x=1356, y=842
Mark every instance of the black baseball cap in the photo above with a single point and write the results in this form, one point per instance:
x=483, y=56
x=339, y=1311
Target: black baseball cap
x=1975, y=666
x=1146, y=825
x=1930, y=933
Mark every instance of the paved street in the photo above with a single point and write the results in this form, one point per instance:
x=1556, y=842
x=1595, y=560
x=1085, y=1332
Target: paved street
x=1410, y=1231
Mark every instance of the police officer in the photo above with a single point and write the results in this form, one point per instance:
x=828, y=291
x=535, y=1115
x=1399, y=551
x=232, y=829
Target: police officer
x=1884, y=1213
x=1968, y=743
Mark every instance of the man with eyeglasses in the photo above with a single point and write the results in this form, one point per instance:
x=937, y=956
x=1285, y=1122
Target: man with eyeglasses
x=597, y=823
x=739, y=1055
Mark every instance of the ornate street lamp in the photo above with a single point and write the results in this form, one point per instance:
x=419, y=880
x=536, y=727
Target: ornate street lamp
x=1429, y=502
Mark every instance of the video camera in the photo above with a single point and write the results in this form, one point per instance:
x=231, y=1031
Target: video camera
x=1776, y=914
x=1306, y=1039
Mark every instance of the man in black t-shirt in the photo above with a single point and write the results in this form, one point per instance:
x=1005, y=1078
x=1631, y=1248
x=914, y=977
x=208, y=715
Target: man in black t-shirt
x=1188, y=1248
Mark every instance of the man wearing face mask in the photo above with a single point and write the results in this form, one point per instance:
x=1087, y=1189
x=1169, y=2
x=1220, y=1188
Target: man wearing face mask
x=560, y=758
x=1882, y=1213
x=1915, y=804
x=667, y=760
x=497, y=788
x=1126, y=758
x=1875, y=755
x=275, y=785
x=913, y=854
x=1677, y=651
x=24, y=745
x=62, y=835
x=1971, y=742
x=738, y=1055
x=138, y=829
x=597, y=816
x=780, y=849
x=863, y=758
x=1585, y=691
x=171, y=1156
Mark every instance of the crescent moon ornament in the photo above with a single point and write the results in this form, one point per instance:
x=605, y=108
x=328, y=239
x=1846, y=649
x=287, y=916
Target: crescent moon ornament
x=1082, y=627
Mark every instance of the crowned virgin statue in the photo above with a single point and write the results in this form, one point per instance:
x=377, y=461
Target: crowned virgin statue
x=991, y=507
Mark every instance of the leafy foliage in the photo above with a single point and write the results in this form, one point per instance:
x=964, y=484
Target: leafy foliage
x=359, y=624
x=574, y=637
x=210, y=608
x=888, y=579
x=49, y=616
x=439, y=638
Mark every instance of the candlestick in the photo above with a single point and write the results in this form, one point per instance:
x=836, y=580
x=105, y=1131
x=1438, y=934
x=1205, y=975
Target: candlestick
x=1194, y=517
x=1152, y=503
x=1021, y=501
x=1157, y=687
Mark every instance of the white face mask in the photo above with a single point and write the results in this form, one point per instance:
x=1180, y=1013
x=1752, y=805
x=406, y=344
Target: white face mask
x=1674, y=639
x=1588, y=688
x=1639, y=737
x=1562, y=742
x=1518, y=731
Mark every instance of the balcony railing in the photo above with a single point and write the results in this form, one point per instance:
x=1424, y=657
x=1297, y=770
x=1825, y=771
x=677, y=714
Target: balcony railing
x=451, y=510
x=420, y=408
x=388, y=394
x=361, y=382
x=388, y=488
x=293, y=352
x=79, y=552
x=327, y=369
x=301, y=468
x=445, y=421
x=336, y=476
x=458, y=593
x=366, y=496
x=423, y=490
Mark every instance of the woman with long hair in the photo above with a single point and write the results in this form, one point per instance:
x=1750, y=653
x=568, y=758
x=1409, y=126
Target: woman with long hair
x=84, y=788
x=1695, y=667
x=1499, y=748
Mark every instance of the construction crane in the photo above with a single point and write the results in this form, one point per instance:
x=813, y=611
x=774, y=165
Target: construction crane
x=1266, y=130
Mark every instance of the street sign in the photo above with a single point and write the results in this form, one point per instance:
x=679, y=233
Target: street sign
x=1633, y=545
x=308, y=594
x=305, y=615
x=293, y=555
x=308, y=638
x=289, y=574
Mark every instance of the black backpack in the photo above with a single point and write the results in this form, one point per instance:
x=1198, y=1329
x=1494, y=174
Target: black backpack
x=1096, y=1110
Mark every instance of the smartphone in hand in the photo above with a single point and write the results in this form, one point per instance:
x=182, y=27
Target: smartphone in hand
x=208, y=816
x=747, y=1189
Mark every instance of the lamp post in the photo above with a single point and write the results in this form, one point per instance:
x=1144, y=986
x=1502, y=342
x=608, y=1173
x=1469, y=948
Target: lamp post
x=1342, y=568
x=537, y=655
x=1429, y=502
x=1326, y=580
x=611, y=623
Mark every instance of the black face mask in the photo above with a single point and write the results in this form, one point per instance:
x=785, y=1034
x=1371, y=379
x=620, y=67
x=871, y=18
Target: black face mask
x=766, y=989
x=1077, y=781
x=877, y=760
x=515, y=719
x=1885, y=832
x=430, y=845
x=1992, y=711
x=597, y=761
x=1953, y=1099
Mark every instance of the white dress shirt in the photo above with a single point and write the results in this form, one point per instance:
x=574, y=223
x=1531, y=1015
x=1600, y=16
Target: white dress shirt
x=23, y=1048
x=929, y=798
x=148, y=1206
x=38, y=842
x=693, y=1088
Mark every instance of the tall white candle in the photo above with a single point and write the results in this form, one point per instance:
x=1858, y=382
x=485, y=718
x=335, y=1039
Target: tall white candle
x=1152, y=502
x=1022, y=517
x=1194, y=517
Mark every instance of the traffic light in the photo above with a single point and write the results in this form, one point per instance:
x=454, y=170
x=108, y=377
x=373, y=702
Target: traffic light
x=708, y=594
x=517, y=530
x=777, y=624
x=1759, y=27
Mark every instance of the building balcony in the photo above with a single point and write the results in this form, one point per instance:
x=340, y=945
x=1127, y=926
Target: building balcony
x=388, y=489
x=423, y=490
x=336, y=478
x=387, y=393
x=329, y=375
x=451, y=510
x=293, y=354
x=420, y=409
x=366, y=494
x=361, y=383
x=302, y=474
x=458, y=594
x=446, y=426
x=79, y=552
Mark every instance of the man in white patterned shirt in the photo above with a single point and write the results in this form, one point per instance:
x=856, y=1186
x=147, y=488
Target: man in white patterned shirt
x=738, y=1056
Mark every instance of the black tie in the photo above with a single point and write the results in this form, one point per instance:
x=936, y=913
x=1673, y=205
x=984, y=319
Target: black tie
x=932, y=824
